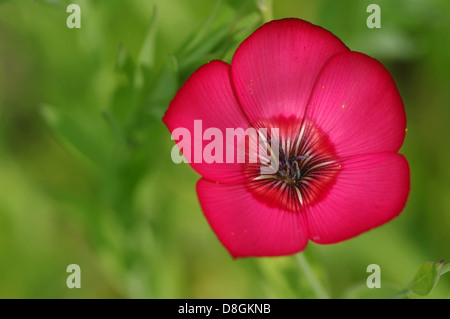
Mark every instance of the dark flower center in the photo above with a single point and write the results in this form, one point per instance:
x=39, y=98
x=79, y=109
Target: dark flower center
x=289, y=167
x=307, y=167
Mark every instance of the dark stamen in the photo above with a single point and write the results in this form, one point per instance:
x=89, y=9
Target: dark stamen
x=289, y=169
x=297, y=171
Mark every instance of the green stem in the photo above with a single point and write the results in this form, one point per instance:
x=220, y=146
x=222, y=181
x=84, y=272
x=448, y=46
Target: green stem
x=401, y=294
x=445, y=269
x=314, y=282
x=265, y=6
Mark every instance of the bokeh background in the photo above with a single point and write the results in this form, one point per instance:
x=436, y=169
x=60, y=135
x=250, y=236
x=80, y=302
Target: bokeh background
x=85, y=170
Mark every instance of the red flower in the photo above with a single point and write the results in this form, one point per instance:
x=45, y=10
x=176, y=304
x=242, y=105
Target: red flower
x=341, y=123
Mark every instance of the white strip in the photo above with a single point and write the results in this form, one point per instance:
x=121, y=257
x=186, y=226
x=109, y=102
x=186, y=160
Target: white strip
x=304, y=180
x=306, y=160
x=299, y=139
x=321, y=164
x=261, y=177
x=299, y=195
x=288, y=147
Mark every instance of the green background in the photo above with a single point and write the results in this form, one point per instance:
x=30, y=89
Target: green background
x=85, y=170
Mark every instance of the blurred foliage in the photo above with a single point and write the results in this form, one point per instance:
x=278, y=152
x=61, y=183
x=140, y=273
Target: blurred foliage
x=85, y=169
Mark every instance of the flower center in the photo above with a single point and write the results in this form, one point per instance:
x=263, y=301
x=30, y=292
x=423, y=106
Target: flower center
x=307, y=167
x=289, y=167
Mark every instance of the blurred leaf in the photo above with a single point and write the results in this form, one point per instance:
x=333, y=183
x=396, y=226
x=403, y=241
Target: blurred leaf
x=83, y=132
x=161, y=94
x=426, y=278
x=216, y=41
x=205, y=48
x=147, y=54
x=292, y=277
x=241, y=30
x=124, y=94
x=199, y=37
x=281, y=278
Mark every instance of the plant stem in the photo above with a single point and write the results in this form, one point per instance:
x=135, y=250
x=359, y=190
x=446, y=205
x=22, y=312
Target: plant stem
x=314, y=282
x=265, y=6
x=445, y=269
x=401, y=294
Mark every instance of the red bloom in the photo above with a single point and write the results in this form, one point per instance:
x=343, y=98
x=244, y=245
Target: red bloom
x=341, y=123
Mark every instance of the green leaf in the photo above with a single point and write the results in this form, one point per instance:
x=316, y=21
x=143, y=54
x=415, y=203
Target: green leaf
x=426, y=278
x=201, y=35
x=124, y=97
x=83, y=131
x=147, y=54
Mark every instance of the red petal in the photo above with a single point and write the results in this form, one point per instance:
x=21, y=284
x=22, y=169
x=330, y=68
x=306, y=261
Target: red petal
x=248, y=227
x=369, y=191
x=207, y=96
x=357, y=104
x=274, y=70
